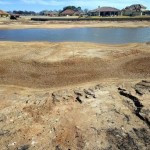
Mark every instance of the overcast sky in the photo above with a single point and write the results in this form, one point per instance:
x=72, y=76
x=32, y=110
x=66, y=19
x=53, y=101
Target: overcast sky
x=38, y=5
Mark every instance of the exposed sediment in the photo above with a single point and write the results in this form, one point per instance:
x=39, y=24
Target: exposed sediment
x=47, y=65
x=53, y=97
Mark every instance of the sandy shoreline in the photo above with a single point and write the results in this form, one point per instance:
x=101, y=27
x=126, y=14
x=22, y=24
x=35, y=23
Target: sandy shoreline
x=26, y=24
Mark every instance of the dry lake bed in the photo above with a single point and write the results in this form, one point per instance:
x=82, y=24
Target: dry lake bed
x=74, y=95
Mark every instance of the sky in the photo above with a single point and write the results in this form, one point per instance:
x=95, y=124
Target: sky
x=38, y=5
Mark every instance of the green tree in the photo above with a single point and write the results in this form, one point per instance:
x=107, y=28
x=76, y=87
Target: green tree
x=72, y=8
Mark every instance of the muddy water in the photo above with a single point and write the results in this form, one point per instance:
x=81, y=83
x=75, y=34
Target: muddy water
x=96, y=35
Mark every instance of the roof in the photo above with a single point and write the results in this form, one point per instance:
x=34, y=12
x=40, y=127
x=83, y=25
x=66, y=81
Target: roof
x=17, y=15
x=3, y=12
x=138, y=5
x=135, y=7
x=68, y=12
x=105, y=9
x=52, y=12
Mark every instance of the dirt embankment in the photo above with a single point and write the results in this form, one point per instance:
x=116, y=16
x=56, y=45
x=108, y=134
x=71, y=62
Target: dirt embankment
x=25, y=24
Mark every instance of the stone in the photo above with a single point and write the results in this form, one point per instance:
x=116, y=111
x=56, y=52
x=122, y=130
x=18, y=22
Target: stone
x=142, y=87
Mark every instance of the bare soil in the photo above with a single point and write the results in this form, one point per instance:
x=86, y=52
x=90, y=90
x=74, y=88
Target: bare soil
x=78, y=96
x=24, y=23
x=74, y=69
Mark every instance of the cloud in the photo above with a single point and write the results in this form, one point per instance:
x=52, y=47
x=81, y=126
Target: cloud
x=2, y=2
x=59, y=4
x=44, y=2
x=85, y=3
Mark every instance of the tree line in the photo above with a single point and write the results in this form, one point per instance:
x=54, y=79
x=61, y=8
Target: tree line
x=43, y=12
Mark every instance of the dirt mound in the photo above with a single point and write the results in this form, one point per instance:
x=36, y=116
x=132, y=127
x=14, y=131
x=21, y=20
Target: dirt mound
x=142, y=87
x=35, y=74
x=138, y=66
x=68, y=72
x=46, y=65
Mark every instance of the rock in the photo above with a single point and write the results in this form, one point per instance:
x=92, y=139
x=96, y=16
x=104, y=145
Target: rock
x=98, y=87
x=145, y=113
x=120, y=140
x=133, y=140
x=4, y=132
x=87, y=96
x=2, y=118
x=24, y=147
x=138, y=111
x=143, y=135
x=142, y=87
x=133, y=98
x=78, y=92
x=79, y=99
x=58, y=147
x=62, y=95
x=89, y=92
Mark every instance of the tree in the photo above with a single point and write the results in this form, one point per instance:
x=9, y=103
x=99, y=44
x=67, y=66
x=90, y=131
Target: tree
x=43, y=12
x=72, y=8
x=79, y=9
x=85, y=11
x=20, y=12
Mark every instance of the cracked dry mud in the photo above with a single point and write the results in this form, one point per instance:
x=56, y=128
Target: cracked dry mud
x=95, y=99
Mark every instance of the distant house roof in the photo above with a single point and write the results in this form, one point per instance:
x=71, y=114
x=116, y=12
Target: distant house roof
x=52, y=13
x=16, y=15
x=105, y=9
x=69, y=12
x=135, y=7
x=3, y=12
x=47, y=12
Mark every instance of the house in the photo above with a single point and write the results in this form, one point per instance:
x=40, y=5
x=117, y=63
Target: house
x=3, y=13
x=104, y=11
x=146, y=12
x=70, y=12
x=52, y=13
x=133, y=10
x=14, y=16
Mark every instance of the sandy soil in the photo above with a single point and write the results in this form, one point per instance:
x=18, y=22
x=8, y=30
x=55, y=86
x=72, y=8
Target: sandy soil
x=77, y=96
x=60, y=64
x=24, y=23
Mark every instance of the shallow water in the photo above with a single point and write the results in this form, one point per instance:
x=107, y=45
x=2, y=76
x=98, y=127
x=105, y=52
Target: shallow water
x=96, y=35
